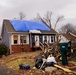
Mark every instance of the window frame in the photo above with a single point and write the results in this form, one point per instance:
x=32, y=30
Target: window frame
x=52, y=38
x=15, y=40
x=23, y=39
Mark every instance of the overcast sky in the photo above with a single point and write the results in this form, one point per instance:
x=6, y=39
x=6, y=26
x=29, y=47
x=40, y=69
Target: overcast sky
x=11, y=8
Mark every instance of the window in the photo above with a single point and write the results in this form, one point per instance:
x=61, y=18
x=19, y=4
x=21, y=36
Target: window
x=45, y=38
x=52, y=39
x=23, y=39
x=15, y=39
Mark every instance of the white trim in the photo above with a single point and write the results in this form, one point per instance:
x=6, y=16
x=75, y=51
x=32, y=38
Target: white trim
x=18, y=39
x=72, y=34
x=27, y=38
x=37, y=41
x=34, y=31
x=11, y=39
x=50, y=39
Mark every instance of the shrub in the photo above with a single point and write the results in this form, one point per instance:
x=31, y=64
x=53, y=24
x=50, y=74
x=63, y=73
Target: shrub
x=3, y=49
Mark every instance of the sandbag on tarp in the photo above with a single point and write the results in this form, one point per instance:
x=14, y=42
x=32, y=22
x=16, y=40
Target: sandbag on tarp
x=24, y=25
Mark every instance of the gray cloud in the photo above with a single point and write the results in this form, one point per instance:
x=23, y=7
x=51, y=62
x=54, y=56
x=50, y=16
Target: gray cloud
x=11, y=8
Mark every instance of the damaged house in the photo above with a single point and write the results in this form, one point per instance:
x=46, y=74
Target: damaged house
x=22, y=35
x=71, y=36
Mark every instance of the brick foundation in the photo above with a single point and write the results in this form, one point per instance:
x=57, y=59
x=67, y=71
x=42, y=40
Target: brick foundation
x=18, y=48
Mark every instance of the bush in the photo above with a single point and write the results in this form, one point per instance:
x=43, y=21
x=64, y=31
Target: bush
x=3, y=49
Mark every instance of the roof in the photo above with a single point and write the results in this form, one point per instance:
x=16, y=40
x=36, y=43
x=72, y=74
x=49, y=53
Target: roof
x=68, y=36
x=11, y=29
x=74, y=33
x=72, y=38
x=25, y=25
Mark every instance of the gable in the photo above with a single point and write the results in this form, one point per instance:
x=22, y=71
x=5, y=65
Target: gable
x=65, y=37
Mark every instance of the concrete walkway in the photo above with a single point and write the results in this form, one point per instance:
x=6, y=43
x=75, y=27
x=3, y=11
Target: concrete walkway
x=6, y=71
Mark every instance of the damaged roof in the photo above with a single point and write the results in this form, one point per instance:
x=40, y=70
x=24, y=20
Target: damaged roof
x=11, y=29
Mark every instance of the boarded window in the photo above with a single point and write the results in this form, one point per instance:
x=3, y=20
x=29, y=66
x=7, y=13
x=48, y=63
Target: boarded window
x=15, y=39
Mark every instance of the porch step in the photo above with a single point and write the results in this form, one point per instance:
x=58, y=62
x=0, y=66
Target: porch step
x=37, y=47
x=42, y=48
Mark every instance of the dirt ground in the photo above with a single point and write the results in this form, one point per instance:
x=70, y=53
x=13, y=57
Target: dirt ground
x=13, y=61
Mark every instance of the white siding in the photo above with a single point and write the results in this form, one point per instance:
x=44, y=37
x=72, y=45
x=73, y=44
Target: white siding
x=62, y=38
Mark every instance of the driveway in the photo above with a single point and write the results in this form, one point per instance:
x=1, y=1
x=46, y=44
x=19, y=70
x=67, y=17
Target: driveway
x=6, y=71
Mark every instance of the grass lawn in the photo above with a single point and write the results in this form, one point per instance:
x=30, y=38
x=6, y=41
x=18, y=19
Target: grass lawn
x=13, y=61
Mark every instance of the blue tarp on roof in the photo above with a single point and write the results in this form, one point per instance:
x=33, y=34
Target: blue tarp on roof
x=24, y=25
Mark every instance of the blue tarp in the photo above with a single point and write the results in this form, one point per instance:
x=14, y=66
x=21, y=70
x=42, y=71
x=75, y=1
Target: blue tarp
x=24, y=25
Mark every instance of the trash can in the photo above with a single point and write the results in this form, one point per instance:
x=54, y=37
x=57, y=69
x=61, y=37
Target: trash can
x=64, y=47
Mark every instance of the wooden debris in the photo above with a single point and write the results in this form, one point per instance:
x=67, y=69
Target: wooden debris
x=65, y=69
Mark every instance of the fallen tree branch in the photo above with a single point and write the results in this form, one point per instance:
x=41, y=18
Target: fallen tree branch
x=65, y=69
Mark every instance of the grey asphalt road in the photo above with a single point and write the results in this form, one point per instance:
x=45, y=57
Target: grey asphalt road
x=6, y=71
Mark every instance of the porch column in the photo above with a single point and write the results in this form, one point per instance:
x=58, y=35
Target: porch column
x=19, y=39
x=30, y=40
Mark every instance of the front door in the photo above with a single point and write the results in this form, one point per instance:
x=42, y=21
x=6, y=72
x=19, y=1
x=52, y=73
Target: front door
x=36, y=40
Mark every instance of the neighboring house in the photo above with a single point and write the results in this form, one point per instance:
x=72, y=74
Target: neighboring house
x=22, y=35
x=69, y=37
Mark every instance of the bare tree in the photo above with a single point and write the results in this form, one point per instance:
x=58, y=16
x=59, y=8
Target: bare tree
x=21, y=15
x=67, y=28
x=47, y=19
x=59, y=18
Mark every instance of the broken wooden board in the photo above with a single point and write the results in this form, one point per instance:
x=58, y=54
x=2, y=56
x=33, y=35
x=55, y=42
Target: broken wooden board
x=65, y=69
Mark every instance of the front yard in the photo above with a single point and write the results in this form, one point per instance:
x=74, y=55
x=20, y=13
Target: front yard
x=13, y=61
